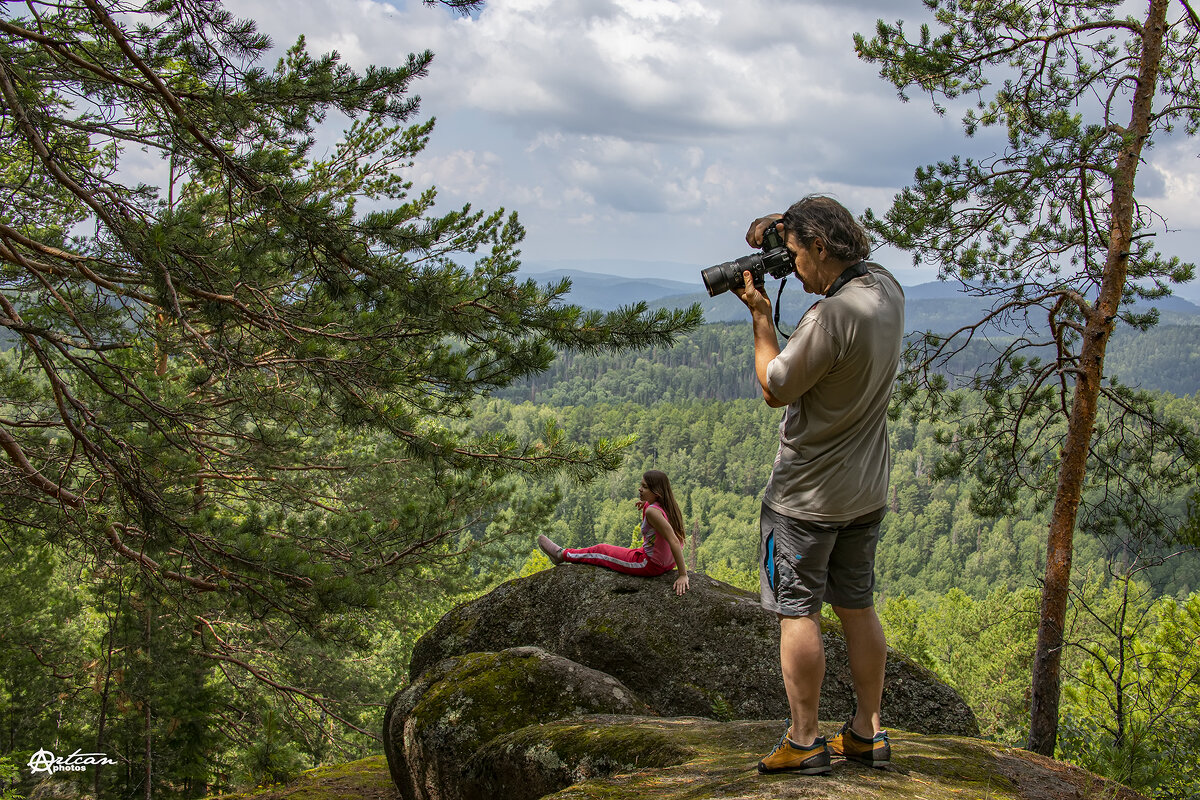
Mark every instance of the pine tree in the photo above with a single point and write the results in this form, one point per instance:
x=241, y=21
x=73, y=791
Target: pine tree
x=1051, y=230
x=251, y=382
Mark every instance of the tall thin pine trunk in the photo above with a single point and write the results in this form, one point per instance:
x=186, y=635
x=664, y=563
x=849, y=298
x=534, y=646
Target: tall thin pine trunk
x=1047, y=679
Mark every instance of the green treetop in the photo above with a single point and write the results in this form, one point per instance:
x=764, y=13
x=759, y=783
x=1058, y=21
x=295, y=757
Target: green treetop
x=245, y=381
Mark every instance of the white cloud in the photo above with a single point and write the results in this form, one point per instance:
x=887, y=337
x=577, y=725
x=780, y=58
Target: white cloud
x=656, y=129
x=653, y=71
x=461, y=172
x=1177, y=169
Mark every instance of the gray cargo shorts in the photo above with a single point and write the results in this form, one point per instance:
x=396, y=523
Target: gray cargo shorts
x=803, y=563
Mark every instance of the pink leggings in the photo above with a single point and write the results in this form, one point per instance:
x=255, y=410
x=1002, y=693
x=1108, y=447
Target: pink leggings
x=620, y=559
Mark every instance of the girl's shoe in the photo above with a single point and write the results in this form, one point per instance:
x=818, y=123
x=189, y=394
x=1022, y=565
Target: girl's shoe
x=552, y=551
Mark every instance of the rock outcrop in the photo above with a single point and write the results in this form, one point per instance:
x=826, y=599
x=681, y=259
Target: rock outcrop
x=710, y=653
x=505, y=691
x=714, y=760
x=722, y=768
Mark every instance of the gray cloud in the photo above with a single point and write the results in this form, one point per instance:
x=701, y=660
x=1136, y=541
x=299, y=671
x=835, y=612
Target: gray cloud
x=655, y=129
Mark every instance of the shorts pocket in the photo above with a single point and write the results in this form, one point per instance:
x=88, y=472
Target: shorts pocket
x=769, y=559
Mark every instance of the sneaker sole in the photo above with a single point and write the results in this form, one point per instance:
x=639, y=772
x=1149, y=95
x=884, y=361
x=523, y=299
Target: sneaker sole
x=865, y=763
x=795, y=770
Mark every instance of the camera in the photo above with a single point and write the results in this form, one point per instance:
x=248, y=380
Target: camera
x=774, y=260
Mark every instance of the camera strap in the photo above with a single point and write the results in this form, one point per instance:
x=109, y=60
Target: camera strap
x=778, y=297
x=850, y=273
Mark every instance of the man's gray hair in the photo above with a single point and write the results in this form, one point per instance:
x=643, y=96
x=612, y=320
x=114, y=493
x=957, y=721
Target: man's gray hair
x=818, y=216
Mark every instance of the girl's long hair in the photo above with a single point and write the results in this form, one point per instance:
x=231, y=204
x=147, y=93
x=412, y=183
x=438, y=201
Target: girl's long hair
x=660, y=484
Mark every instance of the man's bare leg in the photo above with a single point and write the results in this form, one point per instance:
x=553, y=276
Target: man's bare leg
x=802, y=657
x=867, y=651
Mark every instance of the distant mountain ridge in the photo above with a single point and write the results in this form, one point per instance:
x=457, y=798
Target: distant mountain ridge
x=939, y=306
x=607, y=292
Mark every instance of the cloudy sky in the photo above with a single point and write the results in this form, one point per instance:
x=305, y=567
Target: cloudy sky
x=627, y=131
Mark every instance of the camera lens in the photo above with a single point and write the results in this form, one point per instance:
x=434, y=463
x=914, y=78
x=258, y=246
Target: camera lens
x=717, y=279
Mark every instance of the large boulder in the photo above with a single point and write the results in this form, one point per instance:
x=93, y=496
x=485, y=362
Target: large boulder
x=712, y=653
x=459, y=704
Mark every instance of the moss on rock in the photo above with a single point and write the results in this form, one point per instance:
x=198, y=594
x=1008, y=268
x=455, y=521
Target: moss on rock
x=365, y=779
x=723, y=758
x=541, y=759
x=436, y=725
x=699, y=759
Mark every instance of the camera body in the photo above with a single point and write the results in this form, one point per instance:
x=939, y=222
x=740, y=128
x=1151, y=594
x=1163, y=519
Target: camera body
x=774, y=260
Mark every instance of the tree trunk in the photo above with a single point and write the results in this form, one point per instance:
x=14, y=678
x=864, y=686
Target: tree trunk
x=148, y=740
x=102, y=719
x=1043, y=727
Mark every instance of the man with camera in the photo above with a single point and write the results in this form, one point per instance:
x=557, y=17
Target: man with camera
x=826, y=495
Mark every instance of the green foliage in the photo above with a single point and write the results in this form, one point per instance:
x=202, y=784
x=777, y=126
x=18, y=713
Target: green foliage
x=721, y=709
x=981, y=646
x=1131, y=710
x=234, y=407
x=44, y=615
x=901, y=617
x=272, y=759
x=746, y=578
x=709, y=363
x=1130, y=705
x=10, y=774
x=537, y=562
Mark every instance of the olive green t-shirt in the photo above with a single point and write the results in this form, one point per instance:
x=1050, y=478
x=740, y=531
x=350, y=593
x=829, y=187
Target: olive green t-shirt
x=836, y=374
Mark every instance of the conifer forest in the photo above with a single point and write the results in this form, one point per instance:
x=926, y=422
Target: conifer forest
x=265, y=423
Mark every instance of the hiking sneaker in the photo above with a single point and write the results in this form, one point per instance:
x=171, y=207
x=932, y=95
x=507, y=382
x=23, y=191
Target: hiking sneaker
x=552, y=551
x=874, y=752
x=791, y=757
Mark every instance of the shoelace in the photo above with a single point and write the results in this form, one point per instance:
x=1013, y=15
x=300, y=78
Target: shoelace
x=783, y=738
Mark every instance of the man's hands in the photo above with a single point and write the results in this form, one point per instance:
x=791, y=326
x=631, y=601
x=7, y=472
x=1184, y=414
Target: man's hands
x=748, y=293
x=754, y=236
x=756, y=301
x=766, y=345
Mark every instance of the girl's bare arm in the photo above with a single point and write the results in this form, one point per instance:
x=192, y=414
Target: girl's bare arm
x=658, y=521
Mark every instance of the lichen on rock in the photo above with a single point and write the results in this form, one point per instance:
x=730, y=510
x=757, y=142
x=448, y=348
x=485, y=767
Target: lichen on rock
x=713, y=652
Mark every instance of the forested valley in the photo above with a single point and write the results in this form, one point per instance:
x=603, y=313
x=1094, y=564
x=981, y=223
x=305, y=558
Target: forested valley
x=957, y=591
x=957, y=585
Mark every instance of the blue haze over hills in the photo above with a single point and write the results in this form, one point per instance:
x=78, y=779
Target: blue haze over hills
x=933, y=305
x=1166, y=357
